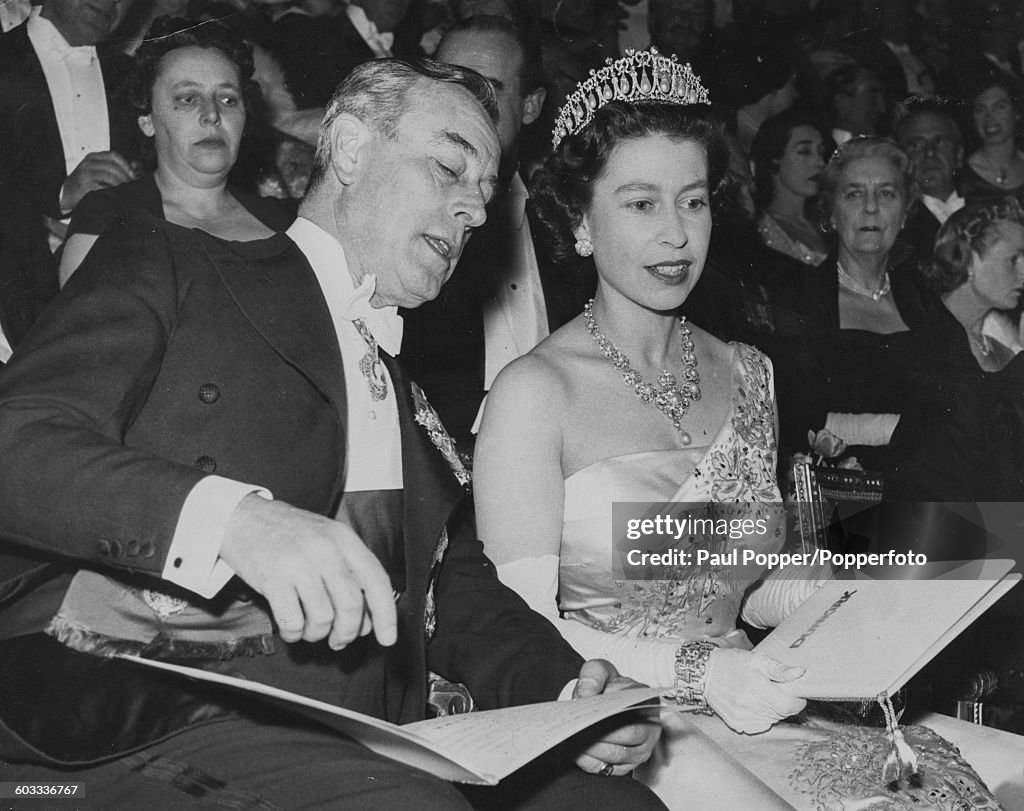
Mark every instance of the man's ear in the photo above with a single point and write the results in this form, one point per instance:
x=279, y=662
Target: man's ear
x=146, y=125
x=350, y=139
x=533, y=104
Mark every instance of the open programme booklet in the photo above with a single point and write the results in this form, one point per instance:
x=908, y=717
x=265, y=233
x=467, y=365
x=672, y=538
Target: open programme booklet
x=478, y=747
x=862, y=637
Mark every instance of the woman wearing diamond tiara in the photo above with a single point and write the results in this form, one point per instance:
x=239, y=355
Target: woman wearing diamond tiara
x=630, y=188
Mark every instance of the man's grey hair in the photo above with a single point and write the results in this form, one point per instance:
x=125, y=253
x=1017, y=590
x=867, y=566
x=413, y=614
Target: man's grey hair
x=378, y=94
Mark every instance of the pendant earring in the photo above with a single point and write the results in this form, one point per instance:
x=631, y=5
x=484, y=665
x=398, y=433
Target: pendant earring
x=584, y=247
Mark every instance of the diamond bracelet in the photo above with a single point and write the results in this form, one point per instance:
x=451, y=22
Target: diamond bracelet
x=691, y=664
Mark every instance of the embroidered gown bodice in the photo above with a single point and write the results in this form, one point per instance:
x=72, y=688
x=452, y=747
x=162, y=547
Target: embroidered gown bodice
x=731, y=478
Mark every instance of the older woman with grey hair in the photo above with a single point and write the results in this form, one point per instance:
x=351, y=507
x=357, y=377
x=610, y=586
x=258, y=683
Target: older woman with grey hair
x=863, y=321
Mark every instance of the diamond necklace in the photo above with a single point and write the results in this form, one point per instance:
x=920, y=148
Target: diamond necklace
x=851, y=284
x=668, y=397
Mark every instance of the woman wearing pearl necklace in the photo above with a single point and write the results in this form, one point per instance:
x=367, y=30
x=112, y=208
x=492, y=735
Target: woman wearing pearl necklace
x=858, y=354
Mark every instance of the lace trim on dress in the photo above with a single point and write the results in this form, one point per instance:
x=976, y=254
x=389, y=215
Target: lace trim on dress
x=743, y=467
x=736, y=478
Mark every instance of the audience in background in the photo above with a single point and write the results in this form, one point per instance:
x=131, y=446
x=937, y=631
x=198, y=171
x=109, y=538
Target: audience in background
x=970, y=446
x=859, y=340
x=502, y=300
x=789, y=155
x=928, y=133
x=681, y=27
x=862, y=351
x=62, y=134
x=191, y=87
x=856, y=99
x=996, y=166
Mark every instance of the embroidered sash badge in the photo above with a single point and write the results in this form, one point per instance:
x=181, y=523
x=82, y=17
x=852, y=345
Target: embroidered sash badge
x=429, y=419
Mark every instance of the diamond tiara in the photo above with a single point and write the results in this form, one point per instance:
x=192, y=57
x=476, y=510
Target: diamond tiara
x=639, y=76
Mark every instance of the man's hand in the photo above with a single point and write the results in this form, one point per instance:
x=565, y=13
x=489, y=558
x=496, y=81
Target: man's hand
x=316, y=573
x=98, y=170
x=622, y=745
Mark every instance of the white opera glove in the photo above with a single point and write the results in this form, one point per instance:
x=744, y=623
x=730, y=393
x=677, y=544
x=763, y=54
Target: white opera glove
x=745, y=690
x=874, y=430
x=774, y=597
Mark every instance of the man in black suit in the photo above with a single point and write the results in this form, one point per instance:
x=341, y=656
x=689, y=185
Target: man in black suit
x=61, y=136
x=856, y=99
x=931, y=137
x=318, y=51
x=172, y=356
x=505, y=298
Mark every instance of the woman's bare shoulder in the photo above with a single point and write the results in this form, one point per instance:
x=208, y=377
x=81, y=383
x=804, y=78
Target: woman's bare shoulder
x=716, y=351
x=548, y=365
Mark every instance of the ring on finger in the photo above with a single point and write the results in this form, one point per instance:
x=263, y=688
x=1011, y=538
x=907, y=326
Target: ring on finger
x=607, y=770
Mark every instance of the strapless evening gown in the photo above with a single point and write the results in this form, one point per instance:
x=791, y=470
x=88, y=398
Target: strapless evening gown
x=733, y=477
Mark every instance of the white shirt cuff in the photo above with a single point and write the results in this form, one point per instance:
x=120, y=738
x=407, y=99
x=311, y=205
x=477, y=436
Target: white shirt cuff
x=193, y=560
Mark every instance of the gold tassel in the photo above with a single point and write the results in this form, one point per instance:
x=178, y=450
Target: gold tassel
x=901, y=762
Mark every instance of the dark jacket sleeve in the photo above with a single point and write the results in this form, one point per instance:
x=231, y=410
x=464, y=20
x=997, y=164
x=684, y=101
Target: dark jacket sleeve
x=487, y=637
x=100, y=209
x=963, y=439
x=68, y=483
x=804, y=346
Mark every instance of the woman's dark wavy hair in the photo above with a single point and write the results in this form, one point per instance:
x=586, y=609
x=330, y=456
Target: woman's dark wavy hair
x=171, y=33
x=977, y=82
x=561, y=191
x=971, y=229
x=770, y=144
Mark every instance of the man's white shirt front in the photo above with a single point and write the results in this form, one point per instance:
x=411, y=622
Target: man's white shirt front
x=75, y=80
x=373, y=453
x=515, y=314
x=942, y=209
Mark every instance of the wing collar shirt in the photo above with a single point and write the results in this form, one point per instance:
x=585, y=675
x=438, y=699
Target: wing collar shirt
x=373, y=452
x=942, y=209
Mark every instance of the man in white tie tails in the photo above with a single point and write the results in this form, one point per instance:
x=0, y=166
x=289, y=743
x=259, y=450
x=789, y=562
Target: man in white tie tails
x=931, y=137
x=502, y=302
x=59, y=139
x=193, y=409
